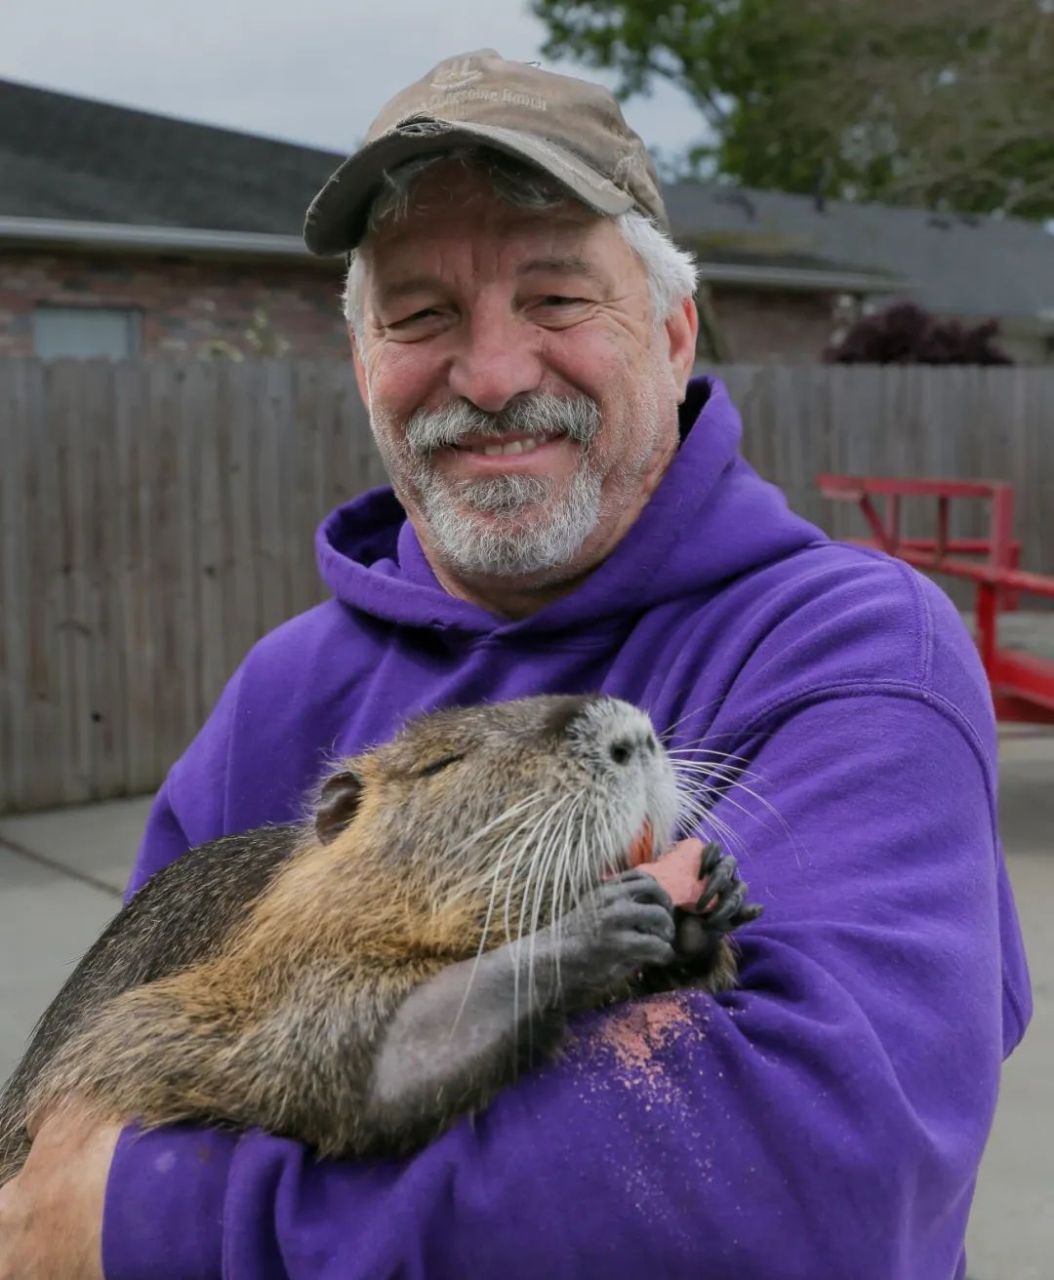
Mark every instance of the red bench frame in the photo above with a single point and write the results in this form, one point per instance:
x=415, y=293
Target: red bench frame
x=1022, y=684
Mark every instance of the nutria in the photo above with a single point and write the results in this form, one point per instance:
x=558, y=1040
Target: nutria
x=360, y=980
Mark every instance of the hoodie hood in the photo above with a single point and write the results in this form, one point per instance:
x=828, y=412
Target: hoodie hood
x=711, y=518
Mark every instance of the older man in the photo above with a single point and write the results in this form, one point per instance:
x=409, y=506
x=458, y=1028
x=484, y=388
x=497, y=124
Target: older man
x=572, y=515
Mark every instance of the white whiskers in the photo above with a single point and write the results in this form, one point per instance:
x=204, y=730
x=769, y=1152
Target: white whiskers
x=698, y=798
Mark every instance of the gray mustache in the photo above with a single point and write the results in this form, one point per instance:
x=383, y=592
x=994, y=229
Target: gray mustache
x=577, y=417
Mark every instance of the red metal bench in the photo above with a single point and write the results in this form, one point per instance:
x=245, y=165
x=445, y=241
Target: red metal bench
x=1022, y=684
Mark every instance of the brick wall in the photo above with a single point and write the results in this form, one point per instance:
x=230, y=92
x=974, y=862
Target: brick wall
x=199, y=307
x=187, y=306
x=209, y=306
x=769, y=326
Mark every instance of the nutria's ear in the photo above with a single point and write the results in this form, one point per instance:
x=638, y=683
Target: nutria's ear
x=337, y=804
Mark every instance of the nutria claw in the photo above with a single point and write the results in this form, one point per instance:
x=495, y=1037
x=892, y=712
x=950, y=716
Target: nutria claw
x=731, y=910
x=712, y=857
x=723, y=883
x=702, y=925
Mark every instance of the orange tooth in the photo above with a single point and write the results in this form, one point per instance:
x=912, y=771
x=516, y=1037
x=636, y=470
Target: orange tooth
x=642, y=848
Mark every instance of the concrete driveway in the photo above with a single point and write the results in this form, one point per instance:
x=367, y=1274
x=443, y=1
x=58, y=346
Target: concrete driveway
x=61, y=874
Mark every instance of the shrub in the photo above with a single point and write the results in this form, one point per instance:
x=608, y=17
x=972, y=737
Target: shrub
x=906, y=334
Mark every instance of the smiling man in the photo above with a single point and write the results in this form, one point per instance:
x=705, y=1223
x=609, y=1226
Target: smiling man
x=571, y=513
x=522, y=390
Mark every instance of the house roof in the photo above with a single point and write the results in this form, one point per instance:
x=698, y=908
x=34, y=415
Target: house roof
x=959, y=264
x=73, y=170
x=69, y=158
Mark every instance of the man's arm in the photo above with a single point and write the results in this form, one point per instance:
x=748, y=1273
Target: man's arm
x=189, y=808
x=51, y=1214
x=830, y=1115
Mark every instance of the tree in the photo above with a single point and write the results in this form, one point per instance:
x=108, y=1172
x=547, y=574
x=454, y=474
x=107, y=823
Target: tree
x=906, y=334
x=946, y=103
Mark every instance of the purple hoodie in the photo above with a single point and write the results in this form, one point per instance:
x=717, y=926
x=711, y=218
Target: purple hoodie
x=825, y=1121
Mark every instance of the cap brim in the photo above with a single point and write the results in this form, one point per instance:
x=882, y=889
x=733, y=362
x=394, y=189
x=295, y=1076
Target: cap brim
x=336, y=219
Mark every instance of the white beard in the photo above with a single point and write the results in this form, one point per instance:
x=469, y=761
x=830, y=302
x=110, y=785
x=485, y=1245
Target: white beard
x=508, y=525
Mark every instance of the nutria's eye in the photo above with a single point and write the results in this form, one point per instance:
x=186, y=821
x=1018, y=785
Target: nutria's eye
x=437, y=765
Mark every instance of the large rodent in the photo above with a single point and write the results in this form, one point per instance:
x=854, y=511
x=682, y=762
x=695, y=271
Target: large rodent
x=361, y=980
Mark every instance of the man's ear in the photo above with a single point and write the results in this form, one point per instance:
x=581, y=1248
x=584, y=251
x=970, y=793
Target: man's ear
x=682, y=332
x=338, y=803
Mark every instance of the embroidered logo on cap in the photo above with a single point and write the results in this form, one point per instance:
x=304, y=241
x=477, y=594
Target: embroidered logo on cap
x=457, y=76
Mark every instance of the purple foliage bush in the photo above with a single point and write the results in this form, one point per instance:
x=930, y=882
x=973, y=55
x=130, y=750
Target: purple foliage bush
x=906, y=334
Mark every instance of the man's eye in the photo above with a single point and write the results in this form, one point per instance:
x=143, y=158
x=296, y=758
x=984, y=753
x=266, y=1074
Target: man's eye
x=438, y=765
x=558, y=300
x=426, y=314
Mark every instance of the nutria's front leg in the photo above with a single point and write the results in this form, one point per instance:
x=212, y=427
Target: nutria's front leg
x=465, y=1033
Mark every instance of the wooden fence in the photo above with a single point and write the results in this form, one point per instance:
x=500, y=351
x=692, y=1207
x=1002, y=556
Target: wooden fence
x=158, y=517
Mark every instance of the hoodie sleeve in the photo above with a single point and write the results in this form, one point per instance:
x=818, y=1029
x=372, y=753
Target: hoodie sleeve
x=189, y=808
x=827, y=1118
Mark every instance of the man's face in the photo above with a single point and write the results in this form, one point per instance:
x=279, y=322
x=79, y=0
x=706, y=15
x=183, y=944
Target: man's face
x=523, y=398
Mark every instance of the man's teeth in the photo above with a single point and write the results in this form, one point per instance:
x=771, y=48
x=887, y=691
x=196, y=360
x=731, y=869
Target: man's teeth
x=513, y=446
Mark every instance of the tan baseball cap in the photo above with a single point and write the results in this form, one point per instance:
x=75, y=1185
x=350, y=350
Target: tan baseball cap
x=571, y=129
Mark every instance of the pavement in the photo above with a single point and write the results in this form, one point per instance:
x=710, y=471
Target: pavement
x=62, y=872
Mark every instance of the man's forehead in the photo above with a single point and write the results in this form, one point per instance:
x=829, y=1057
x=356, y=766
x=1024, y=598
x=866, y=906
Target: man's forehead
x=568, y=223
x=564, y=240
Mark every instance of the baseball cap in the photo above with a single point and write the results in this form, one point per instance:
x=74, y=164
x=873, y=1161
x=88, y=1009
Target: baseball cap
x=569, y=128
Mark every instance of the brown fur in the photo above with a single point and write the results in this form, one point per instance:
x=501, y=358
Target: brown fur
x=251, y=981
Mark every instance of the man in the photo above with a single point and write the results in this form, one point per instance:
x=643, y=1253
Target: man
x=579, y=519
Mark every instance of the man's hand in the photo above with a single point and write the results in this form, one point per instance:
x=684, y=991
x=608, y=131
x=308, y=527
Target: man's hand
x=51, y=1214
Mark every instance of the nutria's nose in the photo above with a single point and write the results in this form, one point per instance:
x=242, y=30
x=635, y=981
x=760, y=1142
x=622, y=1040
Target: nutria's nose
x=610, y=728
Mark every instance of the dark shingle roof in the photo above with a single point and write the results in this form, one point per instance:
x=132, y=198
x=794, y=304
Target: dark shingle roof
x=70, y=158
x=961, y=264
x=63, y=157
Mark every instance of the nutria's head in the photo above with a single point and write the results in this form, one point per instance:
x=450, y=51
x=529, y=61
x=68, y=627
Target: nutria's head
x=522, y=805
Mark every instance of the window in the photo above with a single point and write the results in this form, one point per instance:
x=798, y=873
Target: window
x=86, y=331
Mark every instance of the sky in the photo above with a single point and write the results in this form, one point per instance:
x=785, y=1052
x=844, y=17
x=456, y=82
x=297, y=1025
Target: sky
x=307, y=71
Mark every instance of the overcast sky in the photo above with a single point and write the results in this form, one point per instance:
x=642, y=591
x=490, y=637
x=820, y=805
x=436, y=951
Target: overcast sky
x=310, y=71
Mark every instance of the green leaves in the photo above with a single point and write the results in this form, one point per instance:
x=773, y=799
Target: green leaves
x=936, y=102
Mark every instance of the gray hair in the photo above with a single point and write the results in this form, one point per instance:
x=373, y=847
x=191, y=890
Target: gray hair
x=671, y=271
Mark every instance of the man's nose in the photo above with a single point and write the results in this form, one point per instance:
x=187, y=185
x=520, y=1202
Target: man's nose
x=497, y=359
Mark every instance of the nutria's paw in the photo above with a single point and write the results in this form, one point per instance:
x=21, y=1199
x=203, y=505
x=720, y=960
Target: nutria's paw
x=723, y=905
x=625, y=925
x=721, y=908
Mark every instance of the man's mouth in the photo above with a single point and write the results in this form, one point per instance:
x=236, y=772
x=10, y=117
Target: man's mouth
x=506, y=446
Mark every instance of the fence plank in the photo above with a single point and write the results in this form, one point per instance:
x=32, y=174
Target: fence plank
x=103, y=498
x=133, y=713
x=15, y=683
x=158, y=517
